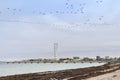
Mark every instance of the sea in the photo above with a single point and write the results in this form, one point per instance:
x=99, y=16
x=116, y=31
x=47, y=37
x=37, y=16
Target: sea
x=23, y=68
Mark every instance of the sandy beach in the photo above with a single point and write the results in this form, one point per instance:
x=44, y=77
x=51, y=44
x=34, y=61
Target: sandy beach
x=109, y=76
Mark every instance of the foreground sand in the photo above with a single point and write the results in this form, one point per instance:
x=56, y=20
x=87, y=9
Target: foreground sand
x=109, y=76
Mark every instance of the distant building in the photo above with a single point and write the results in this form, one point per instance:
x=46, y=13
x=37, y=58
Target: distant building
x=118, y=59
x=87, y=59
x=98, y=58
x=65, y=60
x=76, y=58
x=107, y=57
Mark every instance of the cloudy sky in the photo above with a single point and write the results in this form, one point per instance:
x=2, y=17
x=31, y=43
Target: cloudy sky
x=28, y=28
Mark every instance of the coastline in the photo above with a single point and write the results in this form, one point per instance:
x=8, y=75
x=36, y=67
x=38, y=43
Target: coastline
x=71, y=74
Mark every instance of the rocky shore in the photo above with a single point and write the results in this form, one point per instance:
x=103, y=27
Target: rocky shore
x=71, y=74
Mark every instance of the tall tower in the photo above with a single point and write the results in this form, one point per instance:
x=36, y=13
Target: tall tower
x=55, y=50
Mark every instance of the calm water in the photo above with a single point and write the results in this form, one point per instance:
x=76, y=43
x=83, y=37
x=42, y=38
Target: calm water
x=12, y=69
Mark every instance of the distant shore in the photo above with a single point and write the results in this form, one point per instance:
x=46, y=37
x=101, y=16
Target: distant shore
x=71, y=74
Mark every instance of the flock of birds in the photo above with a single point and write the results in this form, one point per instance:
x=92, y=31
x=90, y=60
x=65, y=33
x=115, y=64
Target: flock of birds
x=70, y=9
x=99, y=1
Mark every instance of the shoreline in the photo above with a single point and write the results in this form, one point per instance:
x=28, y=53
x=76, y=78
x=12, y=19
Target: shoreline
x=17, y=69
x=71, y=74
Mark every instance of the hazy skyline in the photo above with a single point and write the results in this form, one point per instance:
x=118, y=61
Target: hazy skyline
x=29, y=28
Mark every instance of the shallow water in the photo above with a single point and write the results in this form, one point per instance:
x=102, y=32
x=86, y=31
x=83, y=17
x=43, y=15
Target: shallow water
x=12, y=69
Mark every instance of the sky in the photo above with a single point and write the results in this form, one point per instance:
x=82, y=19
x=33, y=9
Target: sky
x=84, y=28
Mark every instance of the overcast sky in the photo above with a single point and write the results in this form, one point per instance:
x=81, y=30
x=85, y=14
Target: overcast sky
x=28, y=28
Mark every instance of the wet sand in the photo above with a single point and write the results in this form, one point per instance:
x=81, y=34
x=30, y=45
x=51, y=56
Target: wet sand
x=110, y=76
x=71, y=74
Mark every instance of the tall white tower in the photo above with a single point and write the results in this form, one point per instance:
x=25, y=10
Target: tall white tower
x=55, y=50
